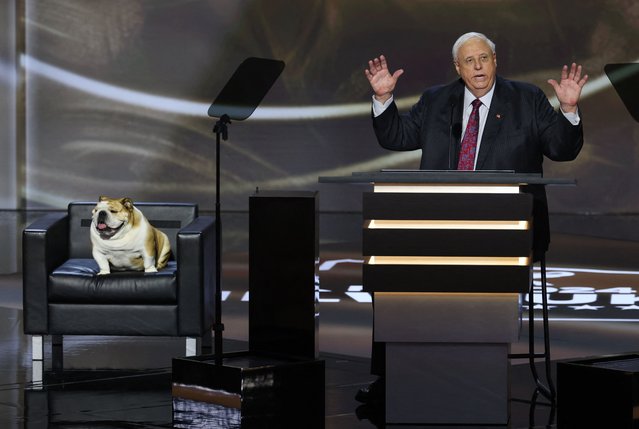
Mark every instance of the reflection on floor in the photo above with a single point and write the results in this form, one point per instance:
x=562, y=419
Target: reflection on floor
x=126, y=382
x=141, y=397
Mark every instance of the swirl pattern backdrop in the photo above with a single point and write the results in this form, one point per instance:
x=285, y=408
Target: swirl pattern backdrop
x=117, y=92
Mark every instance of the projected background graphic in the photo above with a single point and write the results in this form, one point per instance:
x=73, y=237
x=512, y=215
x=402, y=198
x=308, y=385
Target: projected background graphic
x=117, y=92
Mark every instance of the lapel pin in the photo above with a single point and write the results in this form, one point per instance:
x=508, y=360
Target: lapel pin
x=498, y=115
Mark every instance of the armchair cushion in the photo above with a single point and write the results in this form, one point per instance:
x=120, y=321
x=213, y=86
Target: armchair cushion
x=77, y=281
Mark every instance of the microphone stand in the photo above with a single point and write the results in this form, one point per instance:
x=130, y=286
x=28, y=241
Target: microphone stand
x=221, y=130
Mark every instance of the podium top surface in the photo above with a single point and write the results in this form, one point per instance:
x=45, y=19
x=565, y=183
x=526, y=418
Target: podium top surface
x=446, y=176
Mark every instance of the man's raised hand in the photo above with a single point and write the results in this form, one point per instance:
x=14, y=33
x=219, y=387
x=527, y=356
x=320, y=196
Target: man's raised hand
x=568, y=89
x=381, y=79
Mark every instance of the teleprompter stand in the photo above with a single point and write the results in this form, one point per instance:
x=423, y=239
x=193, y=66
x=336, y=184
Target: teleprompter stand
x=238, y=100
x=259, y=386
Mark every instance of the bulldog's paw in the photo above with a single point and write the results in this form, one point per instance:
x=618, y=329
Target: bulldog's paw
x=103, y=272
x=151, y=270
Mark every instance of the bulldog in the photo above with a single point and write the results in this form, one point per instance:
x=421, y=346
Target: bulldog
x=123, y=239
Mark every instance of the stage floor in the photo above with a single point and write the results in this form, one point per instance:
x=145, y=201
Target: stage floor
x=593, y=312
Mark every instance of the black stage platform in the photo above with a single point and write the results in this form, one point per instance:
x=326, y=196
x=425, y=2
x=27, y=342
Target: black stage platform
x=126, y=381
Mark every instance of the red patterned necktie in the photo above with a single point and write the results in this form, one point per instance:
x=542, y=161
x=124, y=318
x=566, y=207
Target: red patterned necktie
x=469, y=142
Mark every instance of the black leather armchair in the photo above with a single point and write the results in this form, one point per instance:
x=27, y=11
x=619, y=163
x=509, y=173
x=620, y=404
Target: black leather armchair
x=63, y=295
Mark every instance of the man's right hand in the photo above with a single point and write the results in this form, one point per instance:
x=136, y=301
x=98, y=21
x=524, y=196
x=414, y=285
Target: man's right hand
x=381, y=79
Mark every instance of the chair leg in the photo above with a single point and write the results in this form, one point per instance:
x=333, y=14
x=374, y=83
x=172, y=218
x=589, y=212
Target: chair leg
x=37, y=361
x=199, y=345
x=57, y=361
x=37, y=347
x=37, y=374
x=207, y=342
x=192, y=346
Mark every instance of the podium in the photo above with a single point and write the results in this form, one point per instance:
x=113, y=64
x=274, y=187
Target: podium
x=447, y=255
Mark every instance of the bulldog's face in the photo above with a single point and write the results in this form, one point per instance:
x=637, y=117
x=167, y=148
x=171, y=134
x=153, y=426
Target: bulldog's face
x=110, y=216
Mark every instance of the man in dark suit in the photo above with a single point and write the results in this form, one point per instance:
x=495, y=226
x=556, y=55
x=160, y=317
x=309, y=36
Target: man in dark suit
x=512, y=126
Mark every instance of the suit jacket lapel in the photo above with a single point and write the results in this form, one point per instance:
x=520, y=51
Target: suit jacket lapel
x=456, y=131
x=499, y=109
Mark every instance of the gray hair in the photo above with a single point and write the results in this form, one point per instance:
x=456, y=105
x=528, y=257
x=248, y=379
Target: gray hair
x=466, y=37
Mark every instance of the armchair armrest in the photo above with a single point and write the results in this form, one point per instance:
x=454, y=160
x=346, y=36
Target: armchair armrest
x=196, y=276
x=45, y=246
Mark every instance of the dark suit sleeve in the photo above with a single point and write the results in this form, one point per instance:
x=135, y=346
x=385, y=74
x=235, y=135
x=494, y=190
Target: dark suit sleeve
x=560, y=140
x=400, y=132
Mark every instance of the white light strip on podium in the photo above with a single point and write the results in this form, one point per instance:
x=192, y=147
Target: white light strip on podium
x=447, y=188
x=519, y=261
x=518, y=225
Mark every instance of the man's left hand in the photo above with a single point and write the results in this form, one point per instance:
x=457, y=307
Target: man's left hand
x=568, y=89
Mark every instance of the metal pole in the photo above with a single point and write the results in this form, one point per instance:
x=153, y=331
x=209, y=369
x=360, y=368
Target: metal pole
x=220, y=130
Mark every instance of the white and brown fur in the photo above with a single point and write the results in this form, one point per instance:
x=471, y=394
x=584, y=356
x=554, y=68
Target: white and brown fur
x=123, y=239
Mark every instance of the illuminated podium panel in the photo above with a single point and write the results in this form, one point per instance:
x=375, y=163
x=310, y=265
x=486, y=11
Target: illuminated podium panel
x=447, y=242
